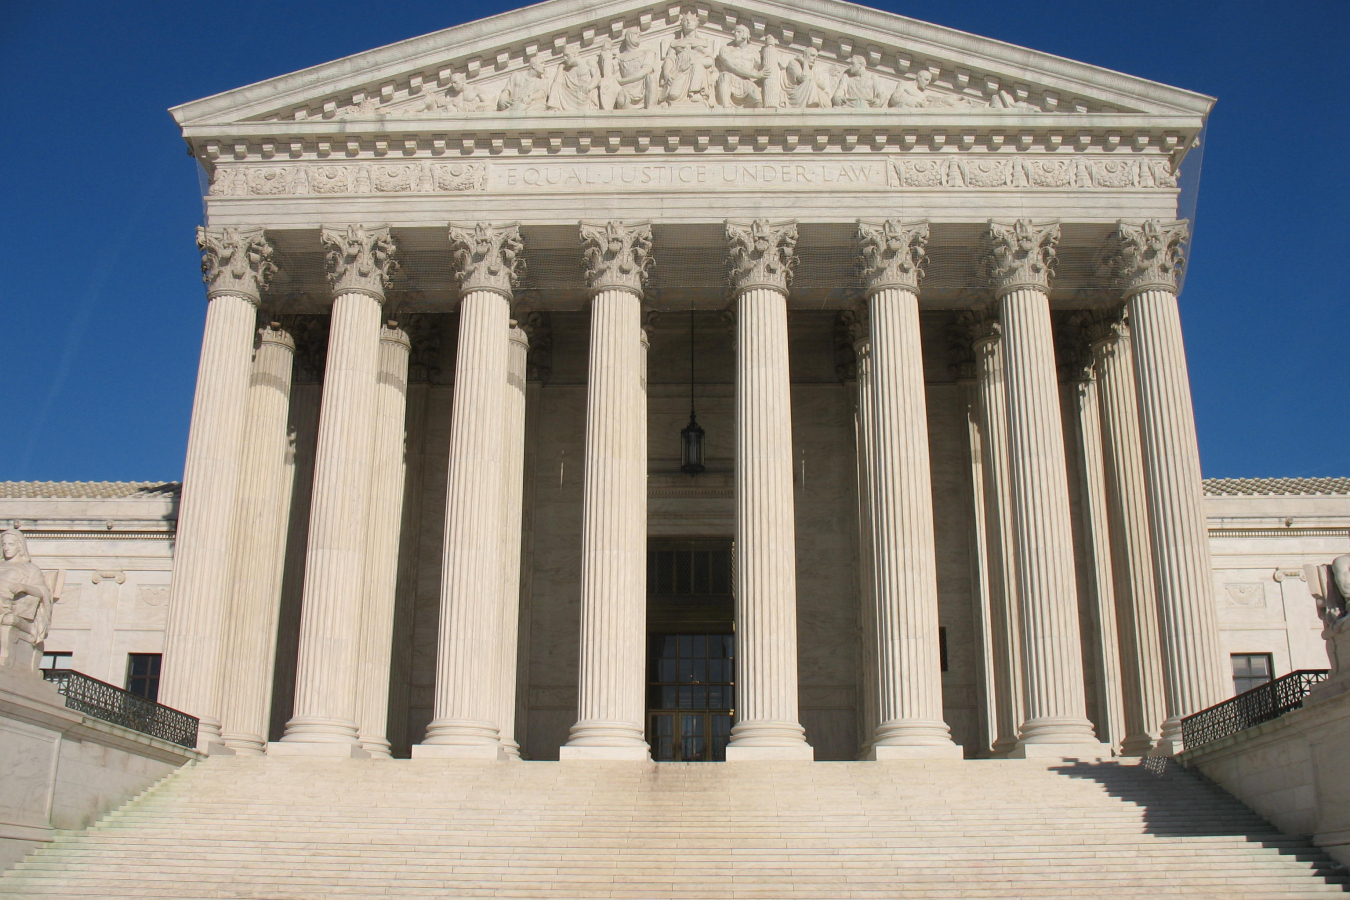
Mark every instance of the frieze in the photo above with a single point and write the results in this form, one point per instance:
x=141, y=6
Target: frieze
x=926, y=172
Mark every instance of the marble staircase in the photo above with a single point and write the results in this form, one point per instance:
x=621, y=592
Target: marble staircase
x=304, y=829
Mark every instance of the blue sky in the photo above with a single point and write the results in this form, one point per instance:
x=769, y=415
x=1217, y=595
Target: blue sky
x=98, y=201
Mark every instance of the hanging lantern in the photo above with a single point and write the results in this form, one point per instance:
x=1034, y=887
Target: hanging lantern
x=691, y=436
x=691, y=446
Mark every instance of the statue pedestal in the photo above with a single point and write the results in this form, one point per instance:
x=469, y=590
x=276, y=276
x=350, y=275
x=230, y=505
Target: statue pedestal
x=1337, y=637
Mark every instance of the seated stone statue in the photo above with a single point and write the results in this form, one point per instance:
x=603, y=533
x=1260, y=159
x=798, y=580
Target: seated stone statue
x=25, y=605
x=1330, y=587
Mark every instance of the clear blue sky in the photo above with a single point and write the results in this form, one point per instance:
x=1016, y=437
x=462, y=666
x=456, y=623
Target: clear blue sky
x=104, y=305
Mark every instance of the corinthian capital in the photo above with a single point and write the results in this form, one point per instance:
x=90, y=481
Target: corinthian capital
x=762, y=254
x=1148, y=257
x=360, y=259
x=235, y=261
x=1020, y=255
x=617, y=255
x=891, y=254
x=488, y=257
x=1104, y=330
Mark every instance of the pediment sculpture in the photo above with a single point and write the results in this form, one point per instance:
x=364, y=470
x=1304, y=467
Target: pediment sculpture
x=1330, y=587
x=26, y=600
x=691, y=68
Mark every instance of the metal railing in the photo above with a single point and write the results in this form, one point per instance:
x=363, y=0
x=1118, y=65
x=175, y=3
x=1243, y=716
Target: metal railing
x=1261, y=704
x=112, y=704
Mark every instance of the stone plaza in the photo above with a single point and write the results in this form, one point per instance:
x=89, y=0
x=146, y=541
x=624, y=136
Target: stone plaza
x=592, y=388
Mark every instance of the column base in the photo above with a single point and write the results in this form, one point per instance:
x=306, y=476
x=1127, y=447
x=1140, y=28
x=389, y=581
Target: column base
x=803, y=752
x=583, y=752
x=490, y=752
x=316, y=748
x=882, y=752
x=378, y=748
x=1092, y=750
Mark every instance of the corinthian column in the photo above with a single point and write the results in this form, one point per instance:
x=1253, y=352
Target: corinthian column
x=614, y=521
x=236, y=266
x=762, y=255
x=909, y=677
x=260, y=545
x=489, y=262
x=360, y=261
x=1147, y=259
x=513, y=485
x=1020, y=259
x=385, y=520
x=991, y=413
x=1131, y=546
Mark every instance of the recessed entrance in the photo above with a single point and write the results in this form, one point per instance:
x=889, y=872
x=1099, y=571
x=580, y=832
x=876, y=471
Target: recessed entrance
x=691, y=649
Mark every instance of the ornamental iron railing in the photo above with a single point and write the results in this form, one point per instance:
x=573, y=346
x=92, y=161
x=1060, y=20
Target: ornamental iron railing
x=1261, y=704
x=112, y=704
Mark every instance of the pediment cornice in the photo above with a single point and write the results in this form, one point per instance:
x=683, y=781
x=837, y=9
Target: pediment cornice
x=407, y=86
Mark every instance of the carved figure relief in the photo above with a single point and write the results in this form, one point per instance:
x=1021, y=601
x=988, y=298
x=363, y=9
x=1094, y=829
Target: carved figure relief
x=807, y=81
x=858, y=88
x=574, y=84
x=527, y=91
x=26, y=600
x=628, y=78
x=686, y=71
x=740, y=78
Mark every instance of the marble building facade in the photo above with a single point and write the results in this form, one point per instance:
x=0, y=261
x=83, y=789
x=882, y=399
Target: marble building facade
x=921, y=286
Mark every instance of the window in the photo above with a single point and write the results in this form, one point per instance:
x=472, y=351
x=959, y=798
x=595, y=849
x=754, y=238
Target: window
x=143, y=674
x=1250, y=670
x=56, y=659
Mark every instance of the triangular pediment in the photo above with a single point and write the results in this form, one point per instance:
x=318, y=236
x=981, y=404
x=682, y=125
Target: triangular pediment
x=627, y=57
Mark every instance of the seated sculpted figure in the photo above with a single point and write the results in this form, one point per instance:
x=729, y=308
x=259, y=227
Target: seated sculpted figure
x=685, y=72
x=807, y=81
x=916, y=95
x=739, y=75
x=25, y=605
x=527, y=91
x=574, y=83
x=627, y=78
x=858, y=87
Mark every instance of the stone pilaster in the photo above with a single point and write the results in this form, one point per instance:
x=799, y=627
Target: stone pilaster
x=610, y=705
x=259, y=545
x=360, y=262
x=991, y=411
x=1020, y=259
x=1081, y=393
x=1148, y=260
x=513, y=480
x=384, y=523
x=1131, y=546
x=489, y=261
x=909, y=669
x=236, y=266
x=762, y=255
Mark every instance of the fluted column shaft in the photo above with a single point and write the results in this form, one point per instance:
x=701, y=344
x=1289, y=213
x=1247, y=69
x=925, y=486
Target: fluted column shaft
x=1052, y=665
x=1092, y=477
x=330, y=621
x=910, y=675
x=384, y=519
x=613, y=538
x=1192, y=669
x=513, y=481
x=203, y=551
x=1000, y=541
x=1131, y=547
x=766, y=557
x=467, y=665
x=260, y=546
x=866, y=452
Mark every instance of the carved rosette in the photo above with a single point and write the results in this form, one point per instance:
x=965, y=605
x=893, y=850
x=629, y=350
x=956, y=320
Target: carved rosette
x=891, y=254
x=1149, y=256
x=488, y=257
x=235, y=261
x=761, y=254
x=616, y=255
x=360, y=259
x=1020, y=255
